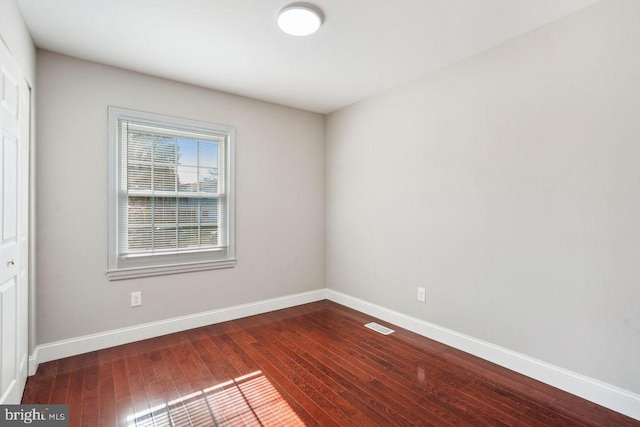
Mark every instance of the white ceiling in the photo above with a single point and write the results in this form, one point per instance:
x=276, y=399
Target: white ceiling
x=363, y=48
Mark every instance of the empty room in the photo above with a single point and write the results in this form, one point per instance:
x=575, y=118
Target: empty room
x=323, y=213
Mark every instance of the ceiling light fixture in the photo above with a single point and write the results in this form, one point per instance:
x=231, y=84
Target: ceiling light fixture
x=300, y=19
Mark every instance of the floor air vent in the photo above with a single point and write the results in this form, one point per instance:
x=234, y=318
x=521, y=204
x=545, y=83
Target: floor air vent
x=379, y=328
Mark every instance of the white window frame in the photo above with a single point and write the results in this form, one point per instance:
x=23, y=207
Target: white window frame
x=127, y=267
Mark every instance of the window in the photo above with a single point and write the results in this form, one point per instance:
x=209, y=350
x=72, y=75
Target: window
x=171, y=195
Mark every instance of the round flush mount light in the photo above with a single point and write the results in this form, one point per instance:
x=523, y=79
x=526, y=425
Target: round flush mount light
x=300, y=19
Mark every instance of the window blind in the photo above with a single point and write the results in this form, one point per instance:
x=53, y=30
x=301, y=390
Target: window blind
x=172, y=190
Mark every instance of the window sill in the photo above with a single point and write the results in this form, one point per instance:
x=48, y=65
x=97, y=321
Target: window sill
x=136, y=272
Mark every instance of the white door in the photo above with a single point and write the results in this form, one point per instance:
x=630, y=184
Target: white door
x=14, y=216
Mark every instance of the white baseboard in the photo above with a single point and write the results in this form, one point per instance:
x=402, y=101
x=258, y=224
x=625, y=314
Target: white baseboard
x=70, y=347
x=607, y=395
x=603, y=394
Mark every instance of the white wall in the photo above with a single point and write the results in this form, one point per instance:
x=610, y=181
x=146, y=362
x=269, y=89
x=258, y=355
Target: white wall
x=279, y=204
x=508, y=185
x=15, y=34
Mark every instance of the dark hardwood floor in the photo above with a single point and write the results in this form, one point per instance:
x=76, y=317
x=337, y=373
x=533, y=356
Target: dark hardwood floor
x=313, y=365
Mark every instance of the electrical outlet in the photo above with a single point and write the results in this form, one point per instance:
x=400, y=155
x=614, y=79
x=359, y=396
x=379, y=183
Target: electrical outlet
x=422, y=295
x=136, y=298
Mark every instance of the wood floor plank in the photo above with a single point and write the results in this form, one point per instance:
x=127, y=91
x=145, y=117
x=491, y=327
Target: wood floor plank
x=30, y=389
x=74, y=398
x=403, y=362
x=76, y=389
x=409, y=359
x=313, y=365
x=227, y=344
x=423, y=397
x=124, y=405
x=175, y=410
x=281, y=381
x=223, y=391
x=200, y=410
x=323, y=383
x=372, y=391
x=289, y=404
x=358, y=394
x=284, y=380
x=139, y=399
x=482, y=385
x=62, y=381
x=91, y=394
x=46, y=381
x=106, y=393
x=182, y=386
x=530, y=396
x=155, y=393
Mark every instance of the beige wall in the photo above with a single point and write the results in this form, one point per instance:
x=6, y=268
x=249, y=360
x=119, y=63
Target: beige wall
x=508, y=185
x=279, y=203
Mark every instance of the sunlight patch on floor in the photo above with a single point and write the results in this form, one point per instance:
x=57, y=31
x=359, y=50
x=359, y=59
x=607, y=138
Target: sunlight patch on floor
x=249, y=400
